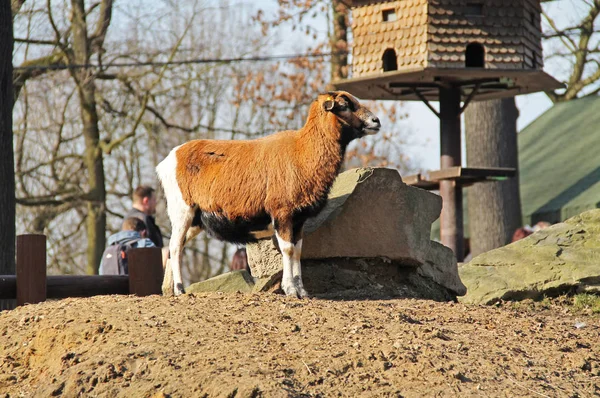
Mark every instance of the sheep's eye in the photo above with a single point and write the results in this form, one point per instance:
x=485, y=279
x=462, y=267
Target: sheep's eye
x=347, y=104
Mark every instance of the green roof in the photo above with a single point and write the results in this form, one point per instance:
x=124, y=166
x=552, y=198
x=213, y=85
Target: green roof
x=559, y=162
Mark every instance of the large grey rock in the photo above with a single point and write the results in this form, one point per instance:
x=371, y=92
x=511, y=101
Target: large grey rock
x=230, y=282
x=555, y=260
x=371, y=213
x=263, y=258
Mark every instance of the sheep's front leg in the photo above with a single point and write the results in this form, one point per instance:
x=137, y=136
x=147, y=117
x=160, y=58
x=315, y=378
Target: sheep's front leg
x=290, y=244
x=297, y=269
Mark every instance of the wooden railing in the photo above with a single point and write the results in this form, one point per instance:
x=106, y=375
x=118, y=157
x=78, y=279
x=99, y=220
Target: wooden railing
x=32, y=285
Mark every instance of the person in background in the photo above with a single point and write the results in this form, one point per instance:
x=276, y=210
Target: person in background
x=144, y=208
x=132, y=236
x=521, y=233
x=239, y=260
x=541, y=225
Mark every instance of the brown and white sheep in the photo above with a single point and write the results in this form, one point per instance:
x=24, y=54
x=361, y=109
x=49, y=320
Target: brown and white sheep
x=241, y=191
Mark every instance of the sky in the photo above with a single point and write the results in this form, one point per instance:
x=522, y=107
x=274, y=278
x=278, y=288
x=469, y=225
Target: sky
x=422, y=125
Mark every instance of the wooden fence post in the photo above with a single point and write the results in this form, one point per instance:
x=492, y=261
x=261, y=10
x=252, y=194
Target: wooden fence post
x=145, y=271
x=31, y=269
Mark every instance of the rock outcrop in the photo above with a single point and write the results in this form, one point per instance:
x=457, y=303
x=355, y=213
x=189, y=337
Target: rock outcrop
x=562, y=258
x=230, y=282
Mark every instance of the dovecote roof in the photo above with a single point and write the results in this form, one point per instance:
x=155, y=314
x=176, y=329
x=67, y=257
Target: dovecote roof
x=407, y=42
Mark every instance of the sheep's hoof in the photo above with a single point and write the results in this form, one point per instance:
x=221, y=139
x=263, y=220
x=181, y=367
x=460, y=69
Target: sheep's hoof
x=294, y=291
x=301, y=292
x=179, y=290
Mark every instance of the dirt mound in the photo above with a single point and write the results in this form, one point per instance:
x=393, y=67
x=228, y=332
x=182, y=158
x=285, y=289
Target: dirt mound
x=267, y=345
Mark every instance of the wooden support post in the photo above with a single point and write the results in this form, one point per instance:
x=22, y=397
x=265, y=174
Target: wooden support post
x=31, y=269
x=451, y=220
x=145, y=271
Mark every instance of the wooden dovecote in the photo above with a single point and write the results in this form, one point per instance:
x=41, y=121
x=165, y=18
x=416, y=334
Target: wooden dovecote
x=447, y=34
x=399, y=43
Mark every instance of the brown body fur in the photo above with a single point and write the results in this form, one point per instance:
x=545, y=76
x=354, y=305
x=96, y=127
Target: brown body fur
x=286, y=171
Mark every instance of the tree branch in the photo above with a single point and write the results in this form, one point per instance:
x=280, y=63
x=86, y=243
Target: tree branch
x=579, y=53
x=566, y=40
x=27, y=70
x=36, y=41
x=97, y=38
x=15, y=6
x=50, y=200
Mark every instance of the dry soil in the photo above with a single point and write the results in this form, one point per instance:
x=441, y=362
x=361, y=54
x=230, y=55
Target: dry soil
x=267, y=345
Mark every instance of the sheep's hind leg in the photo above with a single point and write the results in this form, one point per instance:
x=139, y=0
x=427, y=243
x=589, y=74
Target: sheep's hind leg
x=290, y=248
x=167, y=284
x=181, y=220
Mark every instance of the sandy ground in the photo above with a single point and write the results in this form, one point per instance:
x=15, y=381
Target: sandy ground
x=267, y=345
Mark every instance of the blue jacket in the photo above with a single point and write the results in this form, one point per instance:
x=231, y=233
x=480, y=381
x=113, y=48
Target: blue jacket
x=126, y=236
x=112, y=263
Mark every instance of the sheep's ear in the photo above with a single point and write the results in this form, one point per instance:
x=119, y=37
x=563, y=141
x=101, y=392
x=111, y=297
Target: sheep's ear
x=329, y=105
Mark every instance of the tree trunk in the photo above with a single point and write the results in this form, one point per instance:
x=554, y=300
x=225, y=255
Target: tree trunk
x=494, y=208
x=7, y=167
x=96, y=217
x=86, y=89
x=339, y=41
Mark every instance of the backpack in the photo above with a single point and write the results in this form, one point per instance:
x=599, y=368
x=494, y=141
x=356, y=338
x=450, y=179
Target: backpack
x=114, y=258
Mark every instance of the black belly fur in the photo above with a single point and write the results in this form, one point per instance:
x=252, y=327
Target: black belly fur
x=240, y=229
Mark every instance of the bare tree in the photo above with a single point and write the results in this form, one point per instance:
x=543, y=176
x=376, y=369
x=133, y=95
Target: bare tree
x=7, y=180
x=80, y=53
x=339, y=40
x=75, y=45
x=66, y=187
x=491, y=141
x=575, y=47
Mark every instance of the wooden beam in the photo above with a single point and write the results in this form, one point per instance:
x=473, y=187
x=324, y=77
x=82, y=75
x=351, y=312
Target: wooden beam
x=425, y=101
x=464, y=176
x=8, y=287
x=470, y=97
x=63, y=286
x=459, y=172
x=522, y=82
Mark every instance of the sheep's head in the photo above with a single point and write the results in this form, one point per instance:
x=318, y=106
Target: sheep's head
x=351, y=113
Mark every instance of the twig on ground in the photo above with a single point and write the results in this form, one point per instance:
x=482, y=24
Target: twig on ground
x=307, y=368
